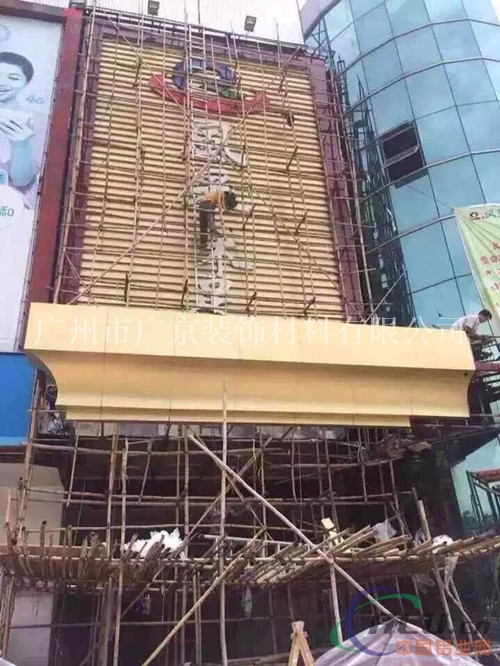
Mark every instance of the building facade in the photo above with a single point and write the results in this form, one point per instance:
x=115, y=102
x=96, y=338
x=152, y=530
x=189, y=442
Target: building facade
x=421, y=83
x=220, y=442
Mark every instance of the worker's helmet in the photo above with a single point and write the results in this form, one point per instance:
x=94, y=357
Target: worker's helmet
x=230, y=200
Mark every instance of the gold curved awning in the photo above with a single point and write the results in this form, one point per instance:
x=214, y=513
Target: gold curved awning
x=128, y=364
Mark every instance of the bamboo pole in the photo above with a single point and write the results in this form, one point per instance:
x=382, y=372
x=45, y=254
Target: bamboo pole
x=222, y=590
x=73, y=468
x=184, y=591
x=197, y=619
x=122, y=545
x=218, y=579
x=292, y=527
x=455, y=597
x=111, y=482
x=214, y=503
x=437, y=575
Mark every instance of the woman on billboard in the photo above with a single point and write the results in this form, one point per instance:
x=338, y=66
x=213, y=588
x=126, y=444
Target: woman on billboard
x=17, y=167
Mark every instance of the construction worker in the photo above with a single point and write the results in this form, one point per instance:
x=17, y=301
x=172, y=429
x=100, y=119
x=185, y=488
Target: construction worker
x=210, y=202
x=470, y=323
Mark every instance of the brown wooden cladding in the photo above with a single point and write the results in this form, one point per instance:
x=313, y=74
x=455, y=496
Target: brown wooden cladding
x=139, y=166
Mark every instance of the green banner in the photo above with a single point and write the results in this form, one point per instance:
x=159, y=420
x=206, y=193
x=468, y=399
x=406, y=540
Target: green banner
x=480, y=230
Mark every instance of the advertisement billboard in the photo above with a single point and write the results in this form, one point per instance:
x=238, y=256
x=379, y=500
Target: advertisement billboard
x=28, y=62
x=480, y=230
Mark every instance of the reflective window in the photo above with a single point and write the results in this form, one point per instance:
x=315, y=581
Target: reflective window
x=482, y=125
x=480, y=9
x=438, y=306
x=488, y=38
x=419, y=49
x=456, y=40
x=442, y=136
x=345, y=45
x=373, y=29
x=456, y=247
x=440, y=10
x=338, y=18
x=362, y=6
x=407, y=14
x=470, y=82
x=413, y=204
x=455, y=184
x=488, y=168
x=494, y=72
x=469, y=294
x=426, y=257
x=429, y=91
x=382, y=66
x=356, y=83
x=401, y=152
x=391, y=107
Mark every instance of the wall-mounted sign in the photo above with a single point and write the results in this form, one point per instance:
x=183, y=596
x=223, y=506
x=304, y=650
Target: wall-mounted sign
x=223, y=97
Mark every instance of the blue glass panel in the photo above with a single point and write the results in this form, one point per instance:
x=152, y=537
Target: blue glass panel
x=426, y=257
x=360, y=7
x=441, y=136
x=382, y=66
x=488, y=38
x=345, y=45
x=488, y=168
x=429, y=91
x=16, y=388
x=439, y=305
x=470, y=82
x=482, y=125
x=440, y=10
x=391, y=107
x=419, y=49
x=407, y=14
x=480, y=9
x=312, y=40
x=470, y=295
x=459, y=259
x=373, y=29
x=455, y=184
x=456, y=40
x=338, y=18
x=494, y=72
x=356, y=83
x=413, y=204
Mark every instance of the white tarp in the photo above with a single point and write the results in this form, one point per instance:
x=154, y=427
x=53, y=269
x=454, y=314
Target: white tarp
x=419, y=646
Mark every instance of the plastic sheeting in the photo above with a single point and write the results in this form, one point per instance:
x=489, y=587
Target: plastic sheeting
x=170, y=541
x=382, y=642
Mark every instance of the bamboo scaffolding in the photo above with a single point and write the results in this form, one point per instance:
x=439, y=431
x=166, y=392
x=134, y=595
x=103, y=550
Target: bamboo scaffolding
x=262, y=496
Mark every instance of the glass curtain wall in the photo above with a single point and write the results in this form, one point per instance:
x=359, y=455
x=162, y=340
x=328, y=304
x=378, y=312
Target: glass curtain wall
x=421, y=89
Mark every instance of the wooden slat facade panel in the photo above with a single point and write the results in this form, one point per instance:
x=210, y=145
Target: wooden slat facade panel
x=137, y=172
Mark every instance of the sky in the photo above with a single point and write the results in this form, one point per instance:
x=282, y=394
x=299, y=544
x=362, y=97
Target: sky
x=495, y=3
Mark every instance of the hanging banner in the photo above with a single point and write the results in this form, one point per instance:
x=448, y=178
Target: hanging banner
x=28, y=63
x=480, y=230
